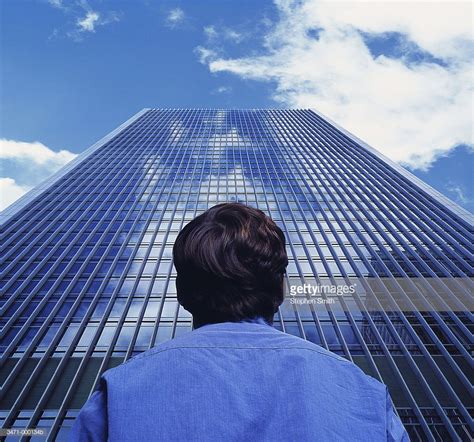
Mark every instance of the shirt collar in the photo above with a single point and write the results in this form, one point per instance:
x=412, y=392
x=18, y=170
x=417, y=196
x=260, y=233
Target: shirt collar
x=246, y=323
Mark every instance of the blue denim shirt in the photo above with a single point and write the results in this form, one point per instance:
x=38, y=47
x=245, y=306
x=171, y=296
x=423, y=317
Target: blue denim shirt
x=243, y=381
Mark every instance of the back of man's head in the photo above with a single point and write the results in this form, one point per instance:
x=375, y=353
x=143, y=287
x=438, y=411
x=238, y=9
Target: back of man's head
x=230, y=263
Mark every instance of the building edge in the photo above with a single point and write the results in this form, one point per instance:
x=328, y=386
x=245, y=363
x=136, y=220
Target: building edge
x=32, y=194
x=453, y=207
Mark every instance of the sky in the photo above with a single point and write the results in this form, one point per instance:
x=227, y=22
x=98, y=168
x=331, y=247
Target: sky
x=397, y=74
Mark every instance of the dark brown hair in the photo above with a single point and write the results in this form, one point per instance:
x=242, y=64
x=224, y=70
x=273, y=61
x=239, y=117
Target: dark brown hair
x=230, y=263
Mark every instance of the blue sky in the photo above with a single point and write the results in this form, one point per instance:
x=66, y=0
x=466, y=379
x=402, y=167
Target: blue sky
x=72, y=70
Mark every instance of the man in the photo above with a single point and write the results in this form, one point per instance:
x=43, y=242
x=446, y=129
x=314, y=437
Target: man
x=235, y=377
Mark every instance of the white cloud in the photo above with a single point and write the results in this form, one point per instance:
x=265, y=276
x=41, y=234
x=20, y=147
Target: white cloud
x=83, y=19
x=35, y=152
x=459, y=193
x=223, y=90
x=10, y=191
x=89, y=22
x=205, y=55
x=56, y=3
x=27, y=164
x=214, y=33
x=318, y=57
x=210, y=32
x=175, y=16
x=233, y=35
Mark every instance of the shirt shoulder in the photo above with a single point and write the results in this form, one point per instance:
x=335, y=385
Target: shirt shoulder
x=265, y=337
x=230, y=338
x=238, y=359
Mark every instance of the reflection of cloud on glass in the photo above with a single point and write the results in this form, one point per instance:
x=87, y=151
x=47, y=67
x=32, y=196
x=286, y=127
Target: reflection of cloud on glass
x=228, y=187
x=230, y=139
x=224, y=157
x=177, y=132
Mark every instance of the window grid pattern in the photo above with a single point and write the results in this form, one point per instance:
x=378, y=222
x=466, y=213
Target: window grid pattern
x=88, y=281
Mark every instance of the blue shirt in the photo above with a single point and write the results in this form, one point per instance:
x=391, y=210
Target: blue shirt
x=243, y=381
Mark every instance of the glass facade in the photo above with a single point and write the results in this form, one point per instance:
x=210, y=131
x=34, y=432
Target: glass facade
x=88, y=281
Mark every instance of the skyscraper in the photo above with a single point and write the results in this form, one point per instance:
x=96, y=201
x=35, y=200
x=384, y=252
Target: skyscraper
x=88, y=281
